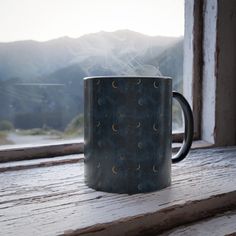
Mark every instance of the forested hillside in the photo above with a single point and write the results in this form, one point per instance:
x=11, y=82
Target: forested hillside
x=41, y=82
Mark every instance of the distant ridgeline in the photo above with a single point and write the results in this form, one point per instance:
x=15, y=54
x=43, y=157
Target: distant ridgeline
x=41, y=82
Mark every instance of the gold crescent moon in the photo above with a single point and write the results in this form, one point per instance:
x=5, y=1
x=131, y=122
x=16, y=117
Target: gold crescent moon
x=138, y=125
x=98, y=82
x=139, y=81
x=114, y=170
x=154, y=127
x=99, y=165
x=113, y=128
x=154, y=169
x=138, y=168
x=114, y=84
x=155, y=85
x=98, y=124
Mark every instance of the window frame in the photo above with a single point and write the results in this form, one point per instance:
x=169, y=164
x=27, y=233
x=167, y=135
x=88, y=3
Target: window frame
x=193, y=60
x=192, y=91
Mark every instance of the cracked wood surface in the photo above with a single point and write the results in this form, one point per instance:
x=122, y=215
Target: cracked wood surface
x=218, y=226
x=53, y=200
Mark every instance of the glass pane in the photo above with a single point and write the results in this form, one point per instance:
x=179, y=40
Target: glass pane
x=48, y=47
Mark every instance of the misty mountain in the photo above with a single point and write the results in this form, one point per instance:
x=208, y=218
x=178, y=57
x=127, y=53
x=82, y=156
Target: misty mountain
x=41, y=82
x=170, y=63
x=30, y=60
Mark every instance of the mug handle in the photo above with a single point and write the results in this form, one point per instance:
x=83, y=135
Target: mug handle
x=188, y=128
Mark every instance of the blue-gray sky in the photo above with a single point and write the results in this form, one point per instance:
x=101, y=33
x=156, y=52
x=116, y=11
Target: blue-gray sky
x=47, y=19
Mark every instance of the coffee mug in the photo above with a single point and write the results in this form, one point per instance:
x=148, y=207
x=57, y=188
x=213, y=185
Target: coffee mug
x=128, y=133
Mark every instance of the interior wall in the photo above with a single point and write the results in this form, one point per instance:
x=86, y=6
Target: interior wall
x=210, y=59
x=225, y=129
x=208, y=72
x=193, y=59
x=188, y=51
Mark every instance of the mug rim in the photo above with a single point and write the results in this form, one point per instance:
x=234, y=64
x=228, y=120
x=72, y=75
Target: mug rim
x=128, y=77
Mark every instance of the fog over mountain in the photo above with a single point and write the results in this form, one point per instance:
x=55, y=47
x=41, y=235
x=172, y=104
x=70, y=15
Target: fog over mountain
x=41, y=82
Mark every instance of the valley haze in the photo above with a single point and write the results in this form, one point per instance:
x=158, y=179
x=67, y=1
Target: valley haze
x=41, y=83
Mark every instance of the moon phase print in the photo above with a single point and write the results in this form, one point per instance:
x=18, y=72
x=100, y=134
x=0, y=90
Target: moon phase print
x=127, y=133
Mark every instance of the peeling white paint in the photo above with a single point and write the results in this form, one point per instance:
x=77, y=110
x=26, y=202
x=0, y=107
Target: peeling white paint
x=188, y=51
x=209, y=76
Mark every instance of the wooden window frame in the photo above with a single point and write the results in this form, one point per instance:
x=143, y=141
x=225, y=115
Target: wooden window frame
x=193, y=60
x=193, y=71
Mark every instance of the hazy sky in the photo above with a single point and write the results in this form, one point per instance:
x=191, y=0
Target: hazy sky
x=47, y=19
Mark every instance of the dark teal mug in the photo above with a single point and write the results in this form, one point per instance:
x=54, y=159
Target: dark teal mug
x=128, y=133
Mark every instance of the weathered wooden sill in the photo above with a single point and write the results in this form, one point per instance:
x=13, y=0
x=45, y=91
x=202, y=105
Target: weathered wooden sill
x=219, y=225
x=29, y=152
x=51, y=198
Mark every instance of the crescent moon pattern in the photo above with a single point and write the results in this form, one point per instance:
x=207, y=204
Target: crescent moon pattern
x=138, y=168
x=140, y=145
x=114, y=171
x=140, y=101
x=139, y=81
x=155, y=85
x=139, y=187
x=114, y=128
x=154, y=127
x=99, y=143
x=154, y=169
x=114, y=85
x=99, y=101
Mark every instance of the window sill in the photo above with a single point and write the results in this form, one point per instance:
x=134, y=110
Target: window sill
x=22, y=152
x=54, y=200
x=222, y=224
x=29, y=152
x=197, y=144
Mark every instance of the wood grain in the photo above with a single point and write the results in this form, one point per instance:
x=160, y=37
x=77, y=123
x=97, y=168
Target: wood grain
x=54, y=200
x=218, y=226
x=19, y=152
x=42, y=162
x=11, y=153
